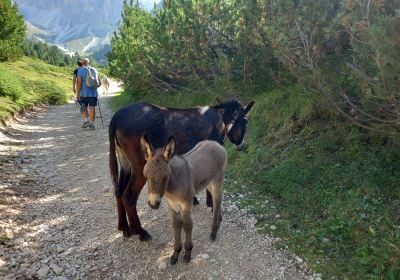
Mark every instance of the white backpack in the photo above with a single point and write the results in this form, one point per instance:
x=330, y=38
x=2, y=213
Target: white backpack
x=92, y=78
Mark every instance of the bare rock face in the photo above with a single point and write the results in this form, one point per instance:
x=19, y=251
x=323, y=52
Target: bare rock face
x=88, y=23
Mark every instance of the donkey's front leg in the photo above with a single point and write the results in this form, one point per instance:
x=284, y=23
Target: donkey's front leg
x=187, y=227
x=177, y=224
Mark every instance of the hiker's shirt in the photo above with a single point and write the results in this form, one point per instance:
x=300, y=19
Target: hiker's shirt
x=86, y=91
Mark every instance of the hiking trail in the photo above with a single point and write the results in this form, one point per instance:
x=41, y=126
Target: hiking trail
x=59, y=219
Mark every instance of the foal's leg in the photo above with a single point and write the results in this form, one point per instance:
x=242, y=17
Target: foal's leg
x=177, y=225
x=187, y=227
x=217, y=201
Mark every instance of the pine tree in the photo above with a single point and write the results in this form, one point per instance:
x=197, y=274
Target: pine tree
x=12, y=31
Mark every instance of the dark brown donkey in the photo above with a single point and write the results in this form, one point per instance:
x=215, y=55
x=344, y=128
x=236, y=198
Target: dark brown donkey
x=189, y=126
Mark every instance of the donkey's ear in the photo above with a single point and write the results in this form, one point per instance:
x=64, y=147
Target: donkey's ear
x=147, y=148
x=169, y=148
x=219, y=100
x=248, y=107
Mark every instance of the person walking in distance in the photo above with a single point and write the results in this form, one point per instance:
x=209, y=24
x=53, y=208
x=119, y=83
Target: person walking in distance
x=86, y=92
x=75, y=76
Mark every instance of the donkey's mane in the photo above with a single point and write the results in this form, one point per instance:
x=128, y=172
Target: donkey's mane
x=232, y=102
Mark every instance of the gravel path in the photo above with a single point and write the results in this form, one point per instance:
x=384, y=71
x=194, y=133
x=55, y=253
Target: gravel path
x=58, y=215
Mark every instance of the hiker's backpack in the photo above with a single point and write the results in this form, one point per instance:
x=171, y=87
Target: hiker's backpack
x=92, y=78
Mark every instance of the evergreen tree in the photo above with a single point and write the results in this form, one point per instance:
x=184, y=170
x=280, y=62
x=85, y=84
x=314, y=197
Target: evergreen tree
x=12, y=31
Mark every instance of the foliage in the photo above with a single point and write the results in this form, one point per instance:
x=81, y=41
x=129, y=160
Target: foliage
x=29, y=82
x=12, y=31
x=344, y=50
x=50, y=54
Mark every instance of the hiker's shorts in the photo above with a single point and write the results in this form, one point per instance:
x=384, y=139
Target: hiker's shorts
x=88, y=101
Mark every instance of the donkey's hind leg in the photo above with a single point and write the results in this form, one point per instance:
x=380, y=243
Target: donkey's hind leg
x=216, y=191
x=122, y=221
x=130, y=198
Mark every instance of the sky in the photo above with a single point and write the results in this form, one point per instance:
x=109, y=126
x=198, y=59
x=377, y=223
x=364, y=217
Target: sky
x=149, y=4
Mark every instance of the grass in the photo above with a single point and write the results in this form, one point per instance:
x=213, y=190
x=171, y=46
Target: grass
x=28, y=82
x=327, y=188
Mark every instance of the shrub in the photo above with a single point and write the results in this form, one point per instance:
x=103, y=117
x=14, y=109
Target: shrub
x=10, y=85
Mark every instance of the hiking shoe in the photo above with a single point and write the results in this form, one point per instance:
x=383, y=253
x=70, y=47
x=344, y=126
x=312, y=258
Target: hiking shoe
x=85, y=124
x=91, y=127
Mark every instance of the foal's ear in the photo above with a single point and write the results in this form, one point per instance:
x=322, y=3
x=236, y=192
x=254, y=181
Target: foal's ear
x=147, y=148
x=169, y=148
x=248, y=107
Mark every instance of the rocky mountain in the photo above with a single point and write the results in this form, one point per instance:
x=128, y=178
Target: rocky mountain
x=79, y=25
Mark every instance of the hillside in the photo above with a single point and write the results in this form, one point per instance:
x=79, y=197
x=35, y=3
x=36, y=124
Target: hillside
x=30, y=81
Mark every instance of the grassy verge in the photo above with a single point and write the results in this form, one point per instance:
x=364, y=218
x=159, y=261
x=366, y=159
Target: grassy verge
x=29, y=81
x=328, y=189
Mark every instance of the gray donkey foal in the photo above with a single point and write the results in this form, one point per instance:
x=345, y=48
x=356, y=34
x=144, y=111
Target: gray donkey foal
x=180, y=178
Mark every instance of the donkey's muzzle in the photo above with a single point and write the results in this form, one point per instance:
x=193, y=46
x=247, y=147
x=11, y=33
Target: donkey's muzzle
x=240, y=147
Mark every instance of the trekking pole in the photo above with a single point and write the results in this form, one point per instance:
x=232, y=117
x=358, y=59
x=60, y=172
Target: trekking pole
x=101, y=116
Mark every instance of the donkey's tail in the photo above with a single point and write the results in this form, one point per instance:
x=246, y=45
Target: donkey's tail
x=113, y=163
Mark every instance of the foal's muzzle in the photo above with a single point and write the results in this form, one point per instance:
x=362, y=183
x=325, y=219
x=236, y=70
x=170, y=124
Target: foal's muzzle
x=154, y=206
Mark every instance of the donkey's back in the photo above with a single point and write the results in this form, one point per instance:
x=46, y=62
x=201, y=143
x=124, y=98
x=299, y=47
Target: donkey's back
x=208, y=161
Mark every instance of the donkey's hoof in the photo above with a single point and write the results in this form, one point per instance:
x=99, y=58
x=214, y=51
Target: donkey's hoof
x=173, y=259
x=145, y=236
x=126, y=233
x=187, y=257
x=213, y=236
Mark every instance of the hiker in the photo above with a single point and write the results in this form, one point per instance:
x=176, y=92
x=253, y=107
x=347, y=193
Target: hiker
x=75, y=75
x=74, y=84
x=86, y=92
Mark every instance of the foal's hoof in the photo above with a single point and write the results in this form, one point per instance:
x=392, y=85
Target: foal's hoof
x=145, y=236
x=187, y=257
x=195, y=201
x=173, y=259
x=213, y=236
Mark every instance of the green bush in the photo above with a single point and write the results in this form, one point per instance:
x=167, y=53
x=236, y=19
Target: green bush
x=49, y=92
x=10, y=85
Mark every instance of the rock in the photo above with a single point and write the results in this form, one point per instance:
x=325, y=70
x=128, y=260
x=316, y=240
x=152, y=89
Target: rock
x=325, y=240
x=205, y=256
x=273, y=227
x=232, y=208
x=19, y=241
x=298, y=259
x=56, y=268
x=42, y=272
x=60, y=278
x=253, y=221
x=161, y=264
x=2, y=264
x=278, y=216
x=60, y=249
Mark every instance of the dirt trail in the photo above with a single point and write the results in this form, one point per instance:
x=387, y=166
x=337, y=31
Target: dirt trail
x=58, y=215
